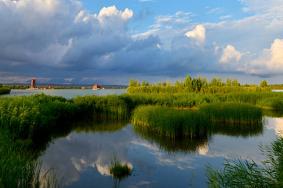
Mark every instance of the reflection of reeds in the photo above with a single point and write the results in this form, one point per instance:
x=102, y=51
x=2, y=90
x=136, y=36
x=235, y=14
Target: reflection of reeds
x=173, y=145
x=174, y=123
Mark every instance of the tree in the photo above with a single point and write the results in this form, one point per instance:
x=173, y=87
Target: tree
x=134, y=83
x=263, y=83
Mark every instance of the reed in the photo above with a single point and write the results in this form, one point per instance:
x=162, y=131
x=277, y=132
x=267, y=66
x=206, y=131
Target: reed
x=250, y=174
x=19, y=166
x=29, y=117
x=232, y=113
x=170, y=122
x=272, y=103
x=176, y=123
x=103, y=107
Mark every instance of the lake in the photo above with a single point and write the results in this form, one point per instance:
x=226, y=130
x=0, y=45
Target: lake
x=67, y=93
x=83, y=157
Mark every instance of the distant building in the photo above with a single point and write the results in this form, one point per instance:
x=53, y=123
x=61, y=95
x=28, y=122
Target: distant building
x=96, y=87
x=33, y=84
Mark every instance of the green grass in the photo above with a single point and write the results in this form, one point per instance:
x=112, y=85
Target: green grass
x=250, y=174
x=170, y=122
x=103, y=107
x=19, y=166
x=29, y=117
x=232, y=113
x=176, y=123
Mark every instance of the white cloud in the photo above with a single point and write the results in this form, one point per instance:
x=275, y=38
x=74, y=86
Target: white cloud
x=272, y=58
x=198, y=34
x=113, y=11
x=230, y=55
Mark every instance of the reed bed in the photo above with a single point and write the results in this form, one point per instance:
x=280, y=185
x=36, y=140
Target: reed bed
x=174, y=123
x=232, y=113
x=170, y=122
x=103, y=107
x=19, y=166
x=28, y=117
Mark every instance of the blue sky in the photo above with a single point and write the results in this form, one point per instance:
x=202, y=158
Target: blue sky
x=110, y=42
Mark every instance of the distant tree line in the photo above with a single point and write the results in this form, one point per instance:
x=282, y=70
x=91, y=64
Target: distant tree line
x=198, y=84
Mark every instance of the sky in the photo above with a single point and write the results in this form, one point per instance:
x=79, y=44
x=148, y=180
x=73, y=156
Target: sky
x=111, y=42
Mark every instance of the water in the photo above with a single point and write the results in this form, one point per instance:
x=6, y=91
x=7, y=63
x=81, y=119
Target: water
x=82, y=158
x=67, y=93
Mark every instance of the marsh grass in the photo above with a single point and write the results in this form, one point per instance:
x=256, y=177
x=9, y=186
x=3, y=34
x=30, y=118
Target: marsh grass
x=175, y=123
x=170, y=122
x=250, y=174
x=19, y=167
x=110, y=107
x=272, y=103
x=232, y=113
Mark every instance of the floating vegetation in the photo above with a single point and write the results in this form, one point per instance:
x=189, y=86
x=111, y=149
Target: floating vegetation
x=120, y=170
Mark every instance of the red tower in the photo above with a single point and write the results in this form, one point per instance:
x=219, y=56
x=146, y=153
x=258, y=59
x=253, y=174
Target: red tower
x=33, y=83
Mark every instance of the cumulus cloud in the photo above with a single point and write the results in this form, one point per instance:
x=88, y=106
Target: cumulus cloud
x=230, y=55
x=271, y=59
x=197, y=34
x=55, y=40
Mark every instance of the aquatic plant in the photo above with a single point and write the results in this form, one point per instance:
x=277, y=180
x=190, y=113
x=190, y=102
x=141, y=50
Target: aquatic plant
x=250, y=174
x=232, y=113
x=19, y=167
x=178, y=123
x=170, y=122
x=119, y=170
x=103, y=107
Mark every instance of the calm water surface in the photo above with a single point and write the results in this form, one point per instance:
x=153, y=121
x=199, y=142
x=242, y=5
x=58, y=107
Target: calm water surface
x=83, y=157
x=67, y=93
